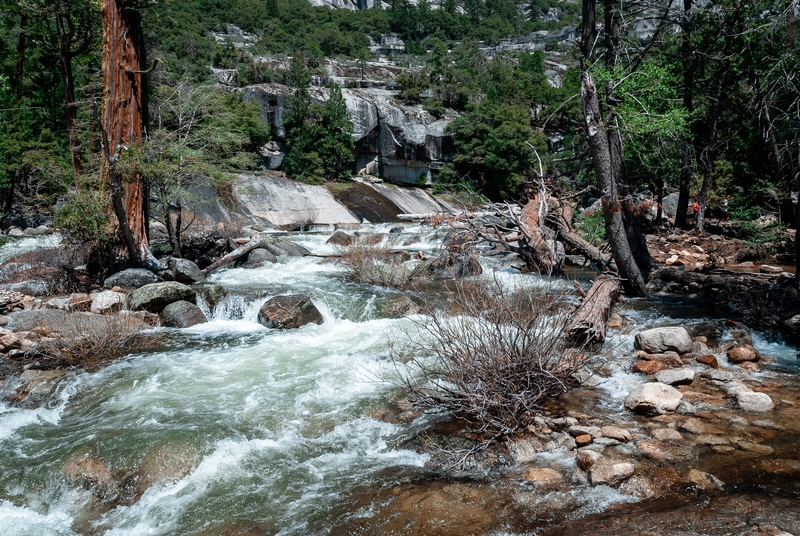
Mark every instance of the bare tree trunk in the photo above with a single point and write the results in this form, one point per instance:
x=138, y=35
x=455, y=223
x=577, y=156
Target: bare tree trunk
x=597, y=136
x=689, y=65
x=531, y=228
x=236, y=254
x=122, y=119
x=69, y=104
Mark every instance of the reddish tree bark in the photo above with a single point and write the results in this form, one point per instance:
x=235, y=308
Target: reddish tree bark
x=122, y=119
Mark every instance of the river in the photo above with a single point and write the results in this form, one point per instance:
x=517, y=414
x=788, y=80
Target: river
x=262, y=431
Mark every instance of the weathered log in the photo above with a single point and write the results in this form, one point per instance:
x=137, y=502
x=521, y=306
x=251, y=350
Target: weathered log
x=543, y=257
x=590, y=318
x=716, y=279
x=234, y=255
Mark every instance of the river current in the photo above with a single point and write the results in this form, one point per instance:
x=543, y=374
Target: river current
x=274, y=427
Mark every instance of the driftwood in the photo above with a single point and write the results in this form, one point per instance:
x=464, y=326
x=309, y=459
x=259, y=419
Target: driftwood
x=590, y=318
x=234, y=255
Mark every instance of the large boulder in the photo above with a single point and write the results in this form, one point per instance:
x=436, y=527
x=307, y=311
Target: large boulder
x=450, y=266
x=610, y=473
x=182, y=314
x=290, y=311
x=31, y=287
x=212, y=293
x=340, y=238
x=660, y=340
x=653, y=398
x=669, y=205
x=131, y=278
x=185, y=271
x=282, y=247
x=156, y=296
x=259, y=257
x=107, y=301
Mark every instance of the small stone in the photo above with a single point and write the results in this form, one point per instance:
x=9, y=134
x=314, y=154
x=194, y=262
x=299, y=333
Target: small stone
x=609, y=473
x=749, y=446
x=671, y=359
x=709, y=360
x=585, y=458
x=682, y=376
x=340, y=238
x=754, y=402
x=767, y=269
x=648, y=367
x=704, y=481
x=583, y=440
x=593, y=431
x=615, y=321
x=666, y=434
x=638, y=486
x=615, y=432
x=723, y=449
x=543, y=476
x=743, y=353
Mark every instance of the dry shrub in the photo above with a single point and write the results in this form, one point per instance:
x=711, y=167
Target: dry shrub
x=373, y=262
x=55, y=266
x=91, y=342
x=492, y=357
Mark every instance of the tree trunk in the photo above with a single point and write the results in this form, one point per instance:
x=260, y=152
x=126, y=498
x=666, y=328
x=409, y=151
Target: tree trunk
x=236, y=254
x=711, y=150
x=689, y=64
x=69, y=103
x=122, y=120
x=597, y=136
x=545, y=260
x=599, y=260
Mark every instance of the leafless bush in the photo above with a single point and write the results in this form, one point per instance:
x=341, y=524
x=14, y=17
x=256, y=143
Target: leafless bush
x=492, y=357
x=374, y=263
x=56, y=267
x=91, y=343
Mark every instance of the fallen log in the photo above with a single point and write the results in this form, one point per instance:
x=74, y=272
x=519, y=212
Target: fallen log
x=233, y=256
x=716, y=279
x=561, y=221
x=542, y=256
x=590, y=318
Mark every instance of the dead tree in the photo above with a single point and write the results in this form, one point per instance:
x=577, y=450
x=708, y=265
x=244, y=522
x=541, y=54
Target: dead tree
x=122, y=121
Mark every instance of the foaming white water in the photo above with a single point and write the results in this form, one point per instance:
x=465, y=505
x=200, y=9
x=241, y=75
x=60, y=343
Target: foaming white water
x=18, y=521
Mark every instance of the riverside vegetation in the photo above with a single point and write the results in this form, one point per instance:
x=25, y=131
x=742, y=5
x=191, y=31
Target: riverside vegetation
x=443, y=376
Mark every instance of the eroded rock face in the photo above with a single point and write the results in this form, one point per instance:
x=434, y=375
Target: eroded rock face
x=131, y=278
x=660, y=340
x=156, y=296
x=286, y=312
x=182, y=314
x=653, y=398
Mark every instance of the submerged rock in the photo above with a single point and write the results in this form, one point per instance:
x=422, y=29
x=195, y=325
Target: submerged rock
x=653, y=398
x=156, y=296
x=286, y=312
x=131, y=278
x=182, y=314
x=660, y=340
